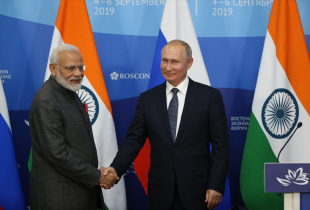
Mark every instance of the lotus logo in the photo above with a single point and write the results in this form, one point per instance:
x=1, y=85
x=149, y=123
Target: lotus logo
x=130, y=170
x=297, y=177
x=114, y=76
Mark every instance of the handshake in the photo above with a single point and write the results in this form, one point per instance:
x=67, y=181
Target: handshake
x=108, y=177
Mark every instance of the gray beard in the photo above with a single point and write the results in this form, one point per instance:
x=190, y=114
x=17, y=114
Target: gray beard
x=66, y=83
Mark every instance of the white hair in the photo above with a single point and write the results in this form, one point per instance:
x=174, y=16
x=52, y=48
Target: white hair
x=63, y=48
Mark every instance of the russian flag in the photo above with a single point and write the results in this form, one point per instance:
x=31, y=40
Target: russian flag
x=11, y=195
x=176, y=24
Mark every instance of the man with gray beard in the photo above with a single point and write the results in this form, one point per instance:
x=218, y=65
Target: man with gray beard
x=65, y=172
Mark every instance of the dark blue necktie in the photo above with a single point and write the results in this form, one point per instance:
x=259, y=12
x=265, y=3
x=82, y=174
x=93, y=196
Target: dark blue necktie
x=173, y=112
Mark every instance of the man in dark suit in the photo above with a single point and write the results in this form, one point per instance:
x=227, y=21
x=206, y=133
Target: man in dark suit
x=181, y=118
x=64, y=171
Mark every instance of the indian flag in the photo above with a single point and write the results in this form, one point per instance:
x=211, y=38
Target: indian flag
x=281, y=100
x=73, y=27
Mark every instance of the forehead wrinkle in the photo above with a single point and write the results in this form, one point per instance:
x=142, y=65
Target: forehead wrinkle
x=170, y=45
x=69, y=58
x=173, y=54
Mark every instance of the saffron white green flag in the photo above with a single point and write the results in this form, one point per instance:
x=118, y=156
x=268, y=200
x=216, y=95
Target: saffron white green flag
x=281, y=100
x=73, y=27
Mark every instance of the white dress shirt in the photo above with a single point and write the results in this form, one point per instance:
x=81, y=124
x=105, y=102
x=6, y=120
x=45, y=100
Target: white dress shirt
x=181, y=98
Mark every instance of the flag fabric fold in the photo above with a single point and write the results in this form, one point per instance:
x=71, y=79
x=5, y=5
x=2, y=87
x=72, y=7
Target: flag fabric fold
x=281, y=100
x=11, y=194
x=73, y=27
x=176, y=24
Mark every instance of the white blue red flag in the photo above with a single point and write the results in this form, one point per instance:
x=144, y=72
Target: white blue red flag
x=11, y=195
x=176, y=23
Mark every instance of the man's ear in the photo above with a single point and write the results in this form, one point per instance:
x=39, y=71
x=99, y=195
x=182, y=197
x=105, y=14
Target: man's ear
x=53, y=69
x=190, y=63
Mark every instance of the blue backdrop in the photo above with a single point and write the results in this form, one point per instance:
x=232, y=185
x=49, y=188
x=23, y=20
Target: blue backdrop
x=231, y=35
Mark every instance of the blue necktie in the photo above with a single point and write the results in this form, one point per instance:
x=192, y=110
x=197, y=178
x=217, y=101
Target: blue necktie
x=173, y=112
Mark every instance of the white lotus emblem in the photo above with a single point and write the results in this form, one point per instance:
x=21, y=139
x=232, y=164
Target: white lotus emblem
x=114, y=76
x=296, y=177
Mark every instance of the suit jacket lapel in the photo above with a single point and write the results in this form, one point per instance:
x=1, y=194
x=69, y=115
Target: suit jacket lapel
x=161, y=102
x=190, y=102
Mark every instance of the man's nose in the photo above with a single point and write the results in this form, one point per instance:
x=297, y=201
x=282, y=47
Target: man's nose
x=168, y=67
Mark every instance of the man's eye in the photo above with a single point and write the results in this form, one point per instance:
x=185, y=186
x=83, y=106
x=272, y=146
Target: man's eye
x=71, y=67
x=81, y=67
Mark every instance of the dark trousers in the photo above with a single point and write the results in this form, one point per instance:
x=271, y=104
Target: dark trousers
x=176, y=200
x=100, y=200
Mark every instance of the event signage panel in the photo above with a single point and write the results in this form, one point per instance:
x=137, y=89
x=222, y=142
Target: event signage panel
x=287, y=177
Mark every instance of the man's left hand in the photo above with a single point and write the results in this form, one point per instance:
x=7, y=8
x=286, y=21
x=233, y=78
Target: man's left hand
x=108, y=177
x=213, y=198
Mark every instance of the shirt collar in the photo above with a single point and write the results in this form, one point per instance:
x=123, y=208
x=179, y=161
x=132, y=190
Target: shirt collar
x=182, y=86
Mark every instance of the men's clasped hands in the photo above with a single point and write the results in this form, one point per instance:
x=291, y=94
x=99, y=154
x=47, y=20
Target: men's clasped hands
x=108, y=177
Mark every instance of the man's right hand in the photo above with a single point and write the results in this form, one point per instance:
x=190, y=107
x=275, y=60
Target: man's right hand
x=108, y=177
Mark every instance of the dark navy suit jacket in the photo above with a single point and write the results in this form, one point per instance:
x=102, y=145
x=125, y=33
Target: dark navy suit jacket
x=187, y=161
